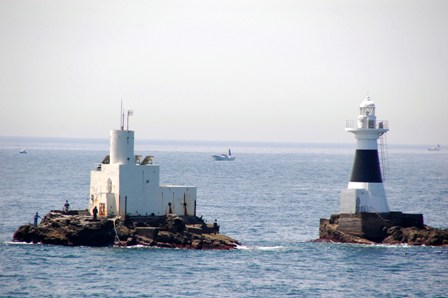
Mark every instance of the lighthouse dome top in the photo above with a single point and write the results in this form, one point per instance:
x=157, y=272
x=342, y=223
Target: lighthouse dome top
x=367, y=102
x=367, y=107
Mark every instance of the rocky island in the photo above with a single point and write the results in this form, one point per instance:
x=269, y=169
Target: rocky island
x=368, y=228
x=128, y=206
x=78, y=228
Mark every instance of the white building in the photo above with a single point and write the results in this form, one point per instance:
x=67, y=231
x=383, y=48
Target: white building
x=365, y=191
x=123, y=184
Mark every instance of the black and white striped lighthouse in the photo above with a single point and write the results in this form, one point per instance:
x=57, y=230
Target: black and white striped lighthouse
x=365, y=191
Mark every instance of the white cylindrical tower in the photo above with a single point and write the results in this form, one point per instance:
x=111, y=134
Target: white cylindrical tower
x=122, y=147
x=366, y=172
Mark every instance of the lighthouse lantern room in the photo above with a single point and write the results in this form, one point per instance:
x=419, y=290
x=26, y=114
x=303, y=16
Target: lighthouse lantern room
x=365, y=191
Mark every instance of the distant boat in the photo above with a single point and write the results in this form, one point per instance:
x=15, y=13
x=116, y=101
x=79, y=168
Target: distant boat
x=224, y=156
x=23, y=151
x=436, y=148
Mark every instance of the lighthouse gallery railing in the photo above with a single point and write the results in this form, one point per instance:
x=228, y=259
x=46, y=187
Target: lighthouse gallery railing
x=378, y=124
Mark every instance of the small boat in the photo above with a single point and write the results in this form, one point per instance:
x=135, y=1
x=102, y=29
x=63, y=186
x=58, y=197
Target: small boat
x=224, y=156
x=23, y=151
x=436, y=148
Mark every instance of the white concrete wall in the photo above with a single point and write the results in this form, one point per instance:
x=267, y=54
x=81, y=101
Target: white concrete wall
x=99, y=189
x=177, y=195
x=139, y=189
x=373, y=199
x=111, y=205
x=348, y=202
x=139, y=184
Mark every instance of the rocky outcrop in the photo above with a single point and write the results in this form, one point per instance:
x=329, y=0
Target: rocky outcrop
x=172, y=231
x=68, y=229
x=330, y=231
x=415, y=236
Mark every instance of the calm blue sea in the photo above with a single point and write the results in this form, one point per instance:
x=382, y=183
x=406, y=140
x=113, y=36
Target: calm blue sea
x=270, y=198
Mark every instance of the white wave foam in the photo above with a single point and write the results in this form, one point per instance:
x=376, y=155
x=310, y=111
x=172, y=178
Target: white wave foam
x=19, y=243
x=270, y=248
x=264, y=248
x=242, y=247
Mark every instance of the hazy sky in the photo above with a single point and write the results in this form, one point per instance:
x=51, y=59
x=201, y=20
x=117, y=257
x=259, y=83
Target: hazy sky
x=252, y=70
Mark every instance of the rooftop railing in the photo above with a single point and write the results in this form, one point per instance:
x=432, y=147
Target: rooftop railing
x=378, y=124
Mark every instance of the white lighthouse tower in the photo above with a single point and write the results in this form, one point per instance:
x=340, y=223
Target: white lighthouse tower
x=365, y=191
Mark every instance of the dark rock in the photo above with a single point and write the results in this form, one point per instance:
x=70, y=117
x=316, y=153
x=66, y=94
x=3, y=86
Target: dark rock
x=330, y=231
x=196, y=244
x=62, y=229
x=130, y=241
x=79, y=229
x=175, y=224
x=416, y=236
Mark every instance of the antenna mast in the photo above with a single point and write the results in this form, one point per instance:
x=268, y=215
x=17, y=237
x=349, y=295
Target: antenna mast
x=121, y=115
x=121, y=112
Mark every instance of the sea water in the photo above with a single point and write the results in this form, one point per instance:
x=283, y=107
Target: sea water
x=270, y=198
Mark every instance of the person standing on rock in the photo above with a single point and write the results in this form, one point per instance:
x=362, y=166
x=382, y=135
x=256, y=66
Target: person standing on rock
x=215, y=227
x=66, y=206
x=95, y=213
x=36, y=218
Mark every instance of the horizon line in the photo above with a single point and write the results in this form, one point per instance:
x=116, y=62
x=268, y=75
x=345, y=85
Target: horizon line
x=200, y=141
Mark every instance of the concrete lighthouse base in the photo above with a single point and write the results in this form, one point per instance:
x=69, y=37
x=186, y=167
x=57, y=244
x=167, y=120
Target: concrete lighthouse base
x=386, y=228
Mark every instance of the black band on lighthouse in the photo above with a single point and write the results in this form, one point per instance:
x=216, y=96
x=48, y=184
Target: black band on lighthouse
x=366, y=167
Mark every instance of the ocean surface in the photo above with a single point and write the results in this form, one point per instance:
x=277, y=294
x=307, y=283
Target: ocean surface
x=270, y=198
